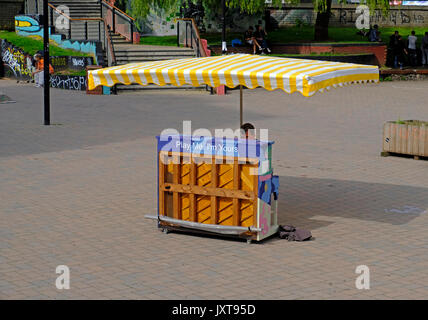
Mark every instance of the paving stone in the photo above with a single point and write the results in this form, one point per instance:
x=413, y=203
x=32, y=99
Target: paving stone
x=76, y=194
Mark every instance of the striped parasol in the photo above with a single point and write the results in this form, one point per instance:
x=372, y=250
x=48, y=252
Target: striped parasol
x=251, y=71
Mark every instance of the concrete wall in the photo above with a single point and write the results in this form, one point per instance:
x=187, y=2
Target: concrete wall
x=346, y=16
x=164, y=23
x=8, y=10
x=34, y=7
x=378, y=50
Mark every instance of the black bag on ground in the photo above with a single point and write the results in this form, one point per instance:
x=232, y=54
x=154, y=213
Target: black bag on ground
x=291, y=233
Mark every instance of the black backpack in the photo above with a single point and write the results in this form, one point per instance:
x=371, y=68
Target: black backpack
x=291, y=233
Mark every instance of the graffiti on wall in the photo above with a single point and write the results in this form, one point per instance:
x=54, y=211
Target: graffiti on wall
x=29, y=26
x=78, y=63
x=16, y=62
x=68, y=82
x=348, y=17
x=395, y=17
x=60, y=63
x=161, y=23
x=283, y=18
x=29, y=23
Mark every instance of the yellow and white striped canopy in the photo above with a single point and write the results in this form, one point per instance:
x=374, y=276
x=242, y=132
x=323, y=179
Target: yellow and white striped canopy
x=251, y=71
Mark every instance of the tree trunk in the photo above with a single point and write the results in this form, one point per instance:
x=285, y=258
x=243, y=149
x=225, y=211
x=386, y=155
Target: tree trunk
x=321, y=23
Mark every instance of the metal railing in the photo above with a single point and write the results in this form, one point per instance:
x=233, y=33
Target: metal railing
x=188, y=36
x=118, y=20
x=109, y=48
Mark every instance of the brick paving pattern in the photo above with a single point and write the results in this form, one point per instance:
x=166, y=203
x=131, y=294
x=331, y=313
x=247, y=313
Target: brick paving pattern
x=76, y=193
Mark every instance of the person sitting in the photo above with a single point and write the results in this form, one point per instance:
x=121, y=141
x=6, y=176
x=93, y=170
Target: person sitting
x=38, y=74
x=249, y=39
x=374, y=34
x=261, y=37
x=248, y=131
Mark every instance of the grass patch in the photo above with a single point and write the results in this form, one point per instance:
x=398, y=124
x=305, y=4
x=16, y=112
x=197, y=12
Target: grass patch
x=296, y=34
x=31, y=46
x=69, y=72
x=159, y=41
x=322, y=54
x=418, y=123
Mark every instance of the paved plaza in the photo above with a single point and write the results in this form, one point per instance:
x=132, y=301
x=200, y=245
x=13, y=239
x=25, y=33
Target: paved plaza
x=75, y=193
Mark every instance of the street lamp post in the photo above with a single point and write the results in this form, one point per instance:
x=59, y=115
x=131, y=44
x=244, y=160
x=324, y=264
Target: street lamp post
x=46, y=74
x=223, y=37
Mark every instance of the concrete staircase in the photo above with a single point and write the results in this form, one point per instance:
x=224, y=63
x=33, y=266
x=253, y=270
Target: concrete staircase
x=124, y=51
x=128, y=53
x=144, y=53
x=81, y=9
x=118, y=39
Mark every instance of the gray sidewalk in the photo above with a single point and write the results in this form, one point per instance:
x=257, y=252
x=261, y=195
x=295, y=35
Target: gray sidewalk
x=76, y=193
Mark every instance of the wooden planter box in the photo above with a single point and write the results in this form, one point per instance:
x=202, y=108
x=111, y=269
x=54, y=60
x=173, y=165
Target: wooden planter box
x=98, y=90
x=410, y=137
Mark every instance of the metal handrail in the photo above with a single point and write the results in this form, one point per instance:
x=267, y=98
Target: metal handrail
x=116, y=11
x=194, y=35
x=110, y=45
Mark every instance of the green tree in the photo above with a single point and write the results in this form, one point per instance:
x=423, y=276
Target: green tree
x=322, y=7
x=142, y=7
x=121, y=4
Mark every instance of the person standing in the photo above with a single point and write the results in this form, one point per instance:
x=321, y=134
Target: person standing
x=424, y=48
x=397, y=48
x=393, y=43
x=400, y=52
x=411, y=48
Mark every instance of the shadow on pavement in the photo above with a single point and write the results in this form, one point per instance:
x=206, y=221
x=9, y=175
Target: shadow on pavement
x=303, y=200
x=82, y=121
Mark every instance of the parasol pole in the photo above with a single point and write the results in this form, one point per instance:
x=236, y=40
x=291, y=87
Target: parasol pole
x=46, y=74
x=241, y=106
